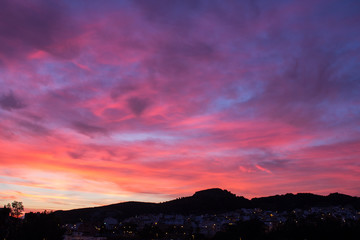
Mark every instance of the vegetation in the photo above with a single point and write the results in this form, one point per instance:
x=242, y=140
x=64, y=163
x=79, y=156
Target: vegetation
x=15, y=208
x=35, y=226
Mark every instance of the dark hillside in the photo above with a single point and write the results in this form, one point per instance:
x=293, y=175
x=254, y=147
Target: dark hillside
x=208, y=201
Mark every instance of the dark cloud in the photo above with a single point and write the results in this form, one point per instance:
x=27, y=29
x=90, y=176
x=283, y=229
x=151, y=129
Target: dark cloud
x=41, y=25
x=121, y=89
x=182, y=14
x=275, y=164
x=138, y=105
x=113, y=113
x=75, y=155
x=174, y=59
x=88, y=130
x=34, y=129
x=6, y=133
x=188, y=48
x=169, y=12
x=10, y=102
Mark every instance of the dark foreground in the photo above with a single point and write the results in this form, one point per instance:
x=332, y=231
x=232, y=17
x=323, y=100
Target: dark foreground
x=208, y=214
x=40, y=226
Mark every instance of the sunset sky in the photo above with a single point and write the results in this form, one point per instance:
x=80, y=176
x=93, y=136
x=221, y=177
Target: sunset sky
x=109, y=101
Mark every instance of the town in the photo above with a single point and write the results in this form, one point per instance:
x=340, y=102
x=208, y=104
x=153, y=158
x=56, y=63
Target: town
x=205, y=226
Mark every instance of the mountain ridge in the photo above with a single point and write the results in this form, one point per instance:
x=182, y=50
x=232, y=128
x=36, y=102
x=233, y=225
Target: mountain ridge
x=212, y=200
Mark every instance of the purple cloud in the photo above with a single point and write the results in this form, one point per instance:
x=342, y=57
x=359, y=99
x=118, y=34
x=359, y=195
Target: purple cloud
x=9, y=101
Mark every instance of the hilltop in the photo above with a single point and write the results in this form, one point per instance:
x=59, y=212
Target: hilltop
x=213, y=200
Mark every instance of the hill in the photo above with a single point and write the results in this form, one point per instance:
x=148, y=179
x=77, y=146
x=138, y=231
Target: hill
x=208, y=201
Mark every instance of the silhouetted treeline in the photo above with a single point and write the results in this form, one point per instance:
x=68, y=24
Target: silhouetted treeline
x=5, y=222
x=35, y=226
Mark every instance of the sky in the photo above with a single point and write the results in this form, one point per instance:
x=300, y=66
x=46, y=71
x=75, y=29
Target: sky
x=110, y=101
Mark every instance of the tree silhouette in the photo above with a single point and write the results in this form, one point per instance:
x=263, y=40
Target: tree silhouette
x=37, y=226
x=16, y=208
